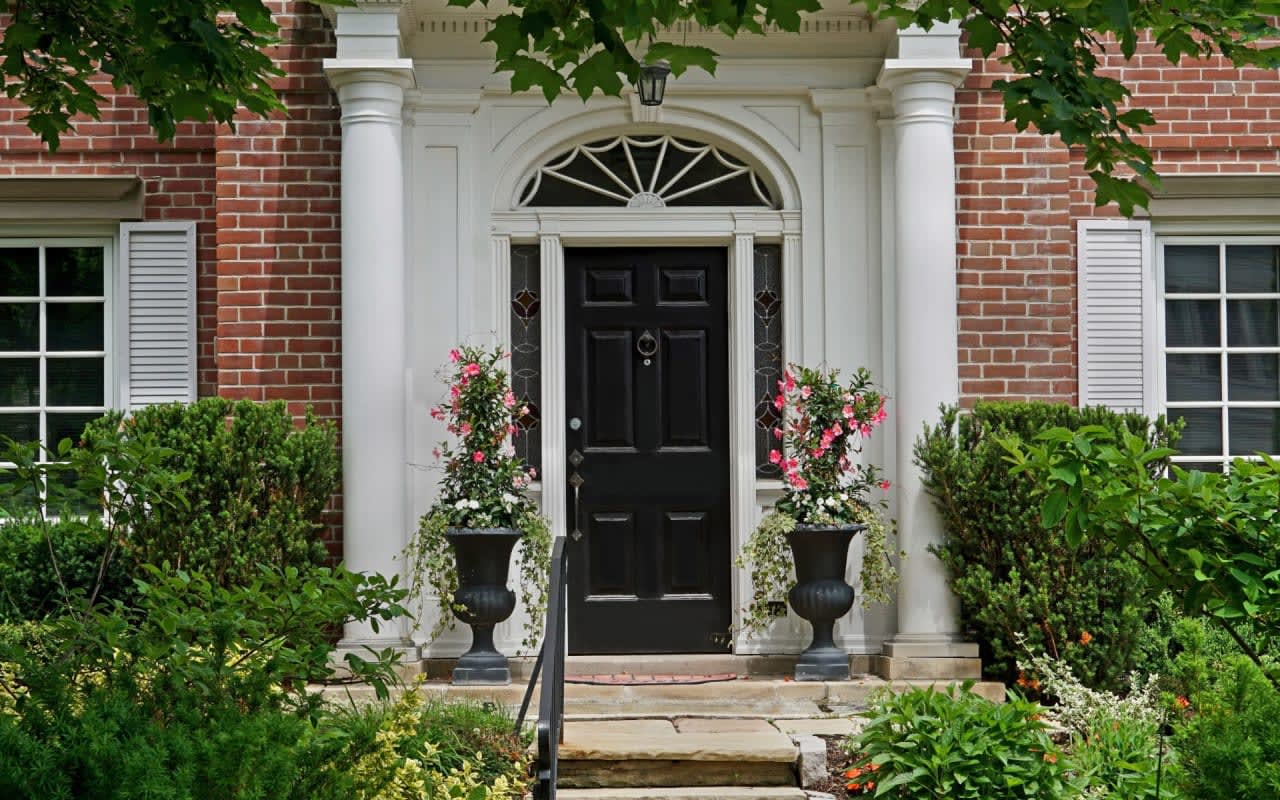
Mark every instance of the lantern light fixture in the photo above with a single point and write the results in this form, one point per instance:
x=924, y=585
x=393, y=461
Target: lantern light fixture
x=653, y=82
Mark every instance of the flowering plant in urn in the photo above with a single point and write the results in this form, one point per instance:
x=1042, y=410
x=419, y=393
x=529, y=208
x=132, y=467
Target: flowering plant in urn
x=481, y=491
x=824, y=426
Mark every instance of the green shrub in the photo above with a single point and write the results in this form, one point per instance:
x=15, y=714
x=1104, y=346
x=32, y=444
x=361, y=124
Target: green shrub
x=955, y=745
x=31, y=564
x=1011, y=575
x=1229, y=746
x=256, y=486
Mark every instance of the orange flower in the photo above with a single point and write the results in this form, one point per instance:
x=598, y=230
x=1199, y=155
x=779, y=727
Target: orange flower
x=1183, y=703
x=1085, y=638
x=1052, y=758
x=853, y=773
x=871, y=786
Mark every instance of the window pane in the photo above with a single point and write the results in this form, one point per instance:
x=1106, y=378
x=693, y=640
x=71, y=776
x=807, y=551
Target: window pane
x=20, y=326
x=19, y=271
x=76, y=381
x=74, y=326
x=767, y=310
x=1191, y=323
x=526, y=350
x=22, y=427
x=1253, y=323
x=1254, y=430
x=1253, y=377
x=20, y=504
x=1202, y=466
x=67, y=426
x=19, y=381
x=1203, y=434
x=1193, y=376
x=1253, y=268
x=1191, y=268
x=73, y=271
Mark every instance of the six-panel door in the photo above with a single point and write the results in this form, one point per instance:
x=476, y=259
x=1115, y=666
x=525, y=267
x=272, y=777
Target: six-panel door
x=647, y=382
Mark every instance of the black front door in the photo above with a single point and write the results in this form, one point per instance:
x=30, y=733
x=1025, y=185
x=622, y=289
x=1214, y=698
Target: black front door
x=647, y=402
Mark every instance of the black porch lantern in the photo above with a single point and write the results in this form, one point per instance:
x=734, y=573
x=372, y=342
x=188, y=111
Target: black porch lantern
x=653, y=82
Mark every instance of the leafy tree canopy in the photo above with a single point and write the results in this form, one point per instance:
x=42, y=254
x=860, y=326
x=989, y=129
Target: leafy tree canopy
x=188, y=60
x=202, y=59
x=1053, y=48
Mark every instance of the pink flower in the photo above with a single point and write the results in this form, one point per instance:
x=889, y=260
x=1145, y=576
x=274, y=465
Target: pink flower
x=465, y=429
x=777, y=433
x=509, y=399
x=477, y=456
x=775, y=457
x=836, y=430
x=436, y=413
x=847, y=411
x=471, y=370
x=790, y=381
x=513, y=430
x=865, y=430
x=844, y=463
x=435, y=451
x=799, y=483
x=884, y=485
x=455, y=356
x=779, y=402
x=454, y=392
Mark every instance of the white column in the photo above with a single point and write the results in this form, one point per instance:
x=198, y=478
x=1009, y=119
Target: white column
x=374, y=433
x=923, y=82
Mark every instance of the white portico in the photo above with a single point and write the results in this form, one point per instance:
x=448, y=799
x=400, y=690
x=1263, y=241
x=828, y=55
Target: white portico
x=846, y=255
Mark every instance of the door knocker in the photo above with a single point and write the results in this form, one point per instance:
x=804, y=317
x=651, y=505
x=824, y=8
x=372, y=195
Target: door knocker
x=647, y=347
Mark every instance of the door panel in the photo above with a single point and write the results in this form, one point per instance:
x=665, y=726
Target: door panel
x=647, y=375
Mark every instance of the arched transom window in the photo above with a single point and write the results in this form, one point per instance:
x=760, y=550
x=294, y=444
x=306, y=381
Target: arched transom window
x=646, y=172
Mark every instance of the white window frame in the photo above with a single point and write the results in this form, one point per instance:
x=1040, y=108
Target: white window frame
x=111, y=336
x=1161, y=349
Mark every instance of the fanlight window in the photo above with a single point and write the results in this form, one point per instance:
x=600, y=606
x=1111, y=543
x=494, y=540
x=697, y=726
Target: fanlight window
x=646, y=172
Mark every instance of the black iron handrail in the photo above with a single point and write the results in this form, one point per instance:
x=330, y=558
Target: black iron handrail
x=550, y=727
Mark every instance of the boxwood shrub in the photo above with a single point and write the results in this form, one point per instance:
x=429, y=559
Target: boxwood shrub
x=1012, y=576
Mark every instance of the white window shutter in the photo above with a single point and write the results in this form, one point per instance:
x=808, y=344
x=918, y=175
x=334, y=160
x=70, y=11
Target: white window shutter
x=158, y=305
x=1117, y=302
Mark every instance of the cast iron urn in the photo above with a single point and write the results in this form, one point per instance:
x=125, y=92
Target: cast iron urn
x=483, y=555
x=821, y=595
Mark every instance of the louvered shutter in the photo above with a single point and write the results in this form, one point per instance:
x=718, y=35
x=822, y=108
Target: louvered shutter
x=158, y=300
x=1117, y=300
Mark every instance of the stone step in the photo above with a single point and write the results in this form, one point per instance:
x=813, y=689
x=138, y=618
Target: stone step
x=765, y=698
x=680, y=752
x=686, y=793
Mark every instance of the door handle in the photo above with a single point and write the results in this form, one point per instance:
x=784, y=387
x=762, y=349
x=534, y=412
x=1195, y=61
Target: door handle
x=576, y=480
x=647, y=347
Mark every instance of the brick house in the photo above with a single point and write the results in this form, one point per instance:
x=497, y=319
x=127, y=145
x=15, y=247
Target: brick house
x=847, y=194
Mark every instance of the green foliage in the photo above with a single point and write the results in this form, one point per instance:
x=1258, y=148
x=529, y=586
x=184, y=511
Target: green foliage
x=37, y=561
x=482, y=487
x=1016, y=577
x=256, y=485
x=1052, y=46
x=1229, y=746
x=958, y=746
x=1210, y=539
x=1118, y=761
x=194, y=60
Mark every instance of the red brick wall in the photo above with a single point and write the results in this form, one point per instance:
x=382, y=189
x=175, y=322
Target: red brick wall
x=265, y=201
x=1019, y=196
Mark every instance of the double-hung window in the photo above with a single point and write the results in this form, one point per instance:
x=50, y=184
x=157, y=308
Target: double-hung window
x=1219, y=345
x=55, y=336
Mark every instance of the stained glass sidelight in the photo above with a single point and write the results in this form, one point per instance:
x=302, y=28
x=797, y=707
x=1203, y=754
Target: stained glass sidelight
x=526, y=350
x=767, y=312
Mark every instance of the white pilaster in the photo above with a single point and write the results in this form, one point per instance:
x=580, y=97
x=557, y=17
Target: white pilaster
x=555, y=476
x=923, y=80
x=370, y=80
x=742, y=447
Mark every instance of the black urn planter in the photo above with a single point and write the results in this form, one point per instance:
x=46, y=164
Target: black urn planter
x=821, y=595
x=483, y=556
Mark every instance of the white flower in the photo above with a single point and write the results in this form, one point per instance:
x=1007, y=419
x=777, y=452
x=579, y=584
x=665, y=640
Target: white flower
x=509, y=498
x=473, y=504
x=461, y=504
